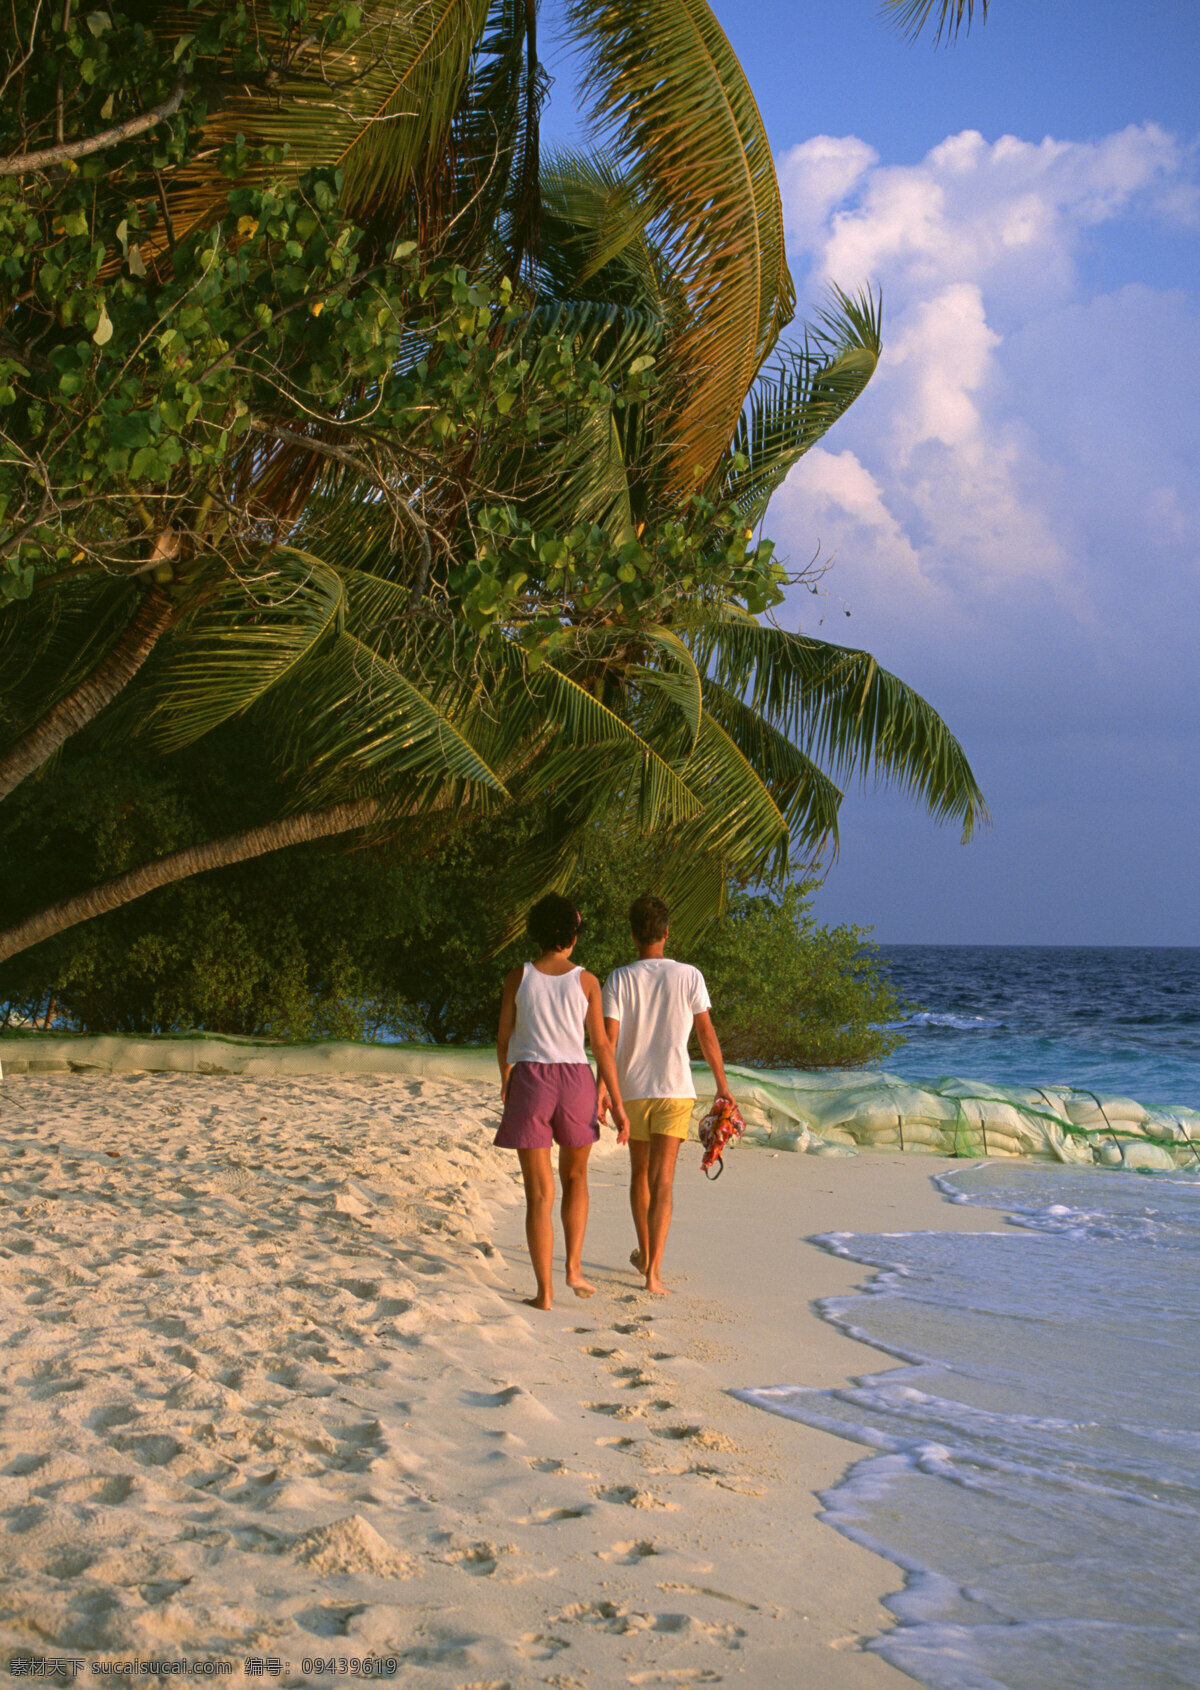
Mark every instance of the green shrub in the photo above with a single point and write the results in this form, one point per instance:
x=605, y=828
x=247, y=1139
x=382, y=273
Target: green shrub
x=391, y=940
x=789, y=994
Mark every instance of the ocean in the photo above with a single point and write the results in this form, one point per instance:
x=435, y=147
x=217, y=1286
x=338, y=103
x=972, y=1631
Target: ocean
x=1035, y=1459
x=1124, y=1020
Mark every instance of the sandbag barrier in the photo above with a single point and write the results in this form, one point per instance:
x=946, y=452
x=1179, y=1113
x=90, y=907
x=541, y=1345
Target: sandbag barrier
x=840, y=1113
x=822, y=1113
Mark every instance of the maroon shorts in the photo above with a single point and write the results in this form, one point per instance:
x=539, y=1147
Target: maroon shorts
x=549, y=1103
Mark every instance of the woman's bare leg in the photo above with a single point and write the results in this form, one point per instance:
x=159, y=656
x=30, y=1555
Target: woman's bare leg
x=572, y=1171
x=538, y=1176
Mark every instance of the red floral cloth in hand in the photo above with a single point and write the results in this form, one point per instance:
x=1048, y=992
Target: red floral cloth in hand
x=722, y=1123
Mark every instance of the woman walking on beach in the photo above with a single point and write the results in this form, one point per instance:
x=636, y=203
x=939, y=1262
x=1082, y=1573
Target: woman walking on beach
x=549, y=1090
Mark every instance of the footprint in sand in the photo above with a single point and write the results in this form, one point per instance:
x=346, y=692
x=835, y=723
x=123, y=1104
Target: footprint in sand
x=151, y=1449
x=607, y=1614
x=629, y=1554
x=631, y=1496
x=728, y=1635
x=330, y=1621
x=702, y=1436
x=498, y=1399
x=538, y=1646
x=479, y=1559
x=21, y=1466
x=634, y=1377
x=360, y=1445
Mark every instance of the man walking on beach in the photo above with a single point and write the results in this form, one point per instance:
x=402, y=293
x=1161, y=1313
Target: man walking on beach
x=650, y=1007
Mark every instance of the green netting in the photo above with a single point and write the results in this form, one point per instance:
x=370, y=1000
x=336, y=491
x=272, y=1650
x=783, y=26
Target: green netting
x=957, y=1117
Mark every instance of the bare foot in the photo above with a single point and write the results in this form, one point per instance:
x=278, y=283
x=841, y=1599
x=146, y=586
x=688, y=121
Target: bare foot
x=636, y=1258
x=581, y=1287
x=655, y=1285
x=539, y=1302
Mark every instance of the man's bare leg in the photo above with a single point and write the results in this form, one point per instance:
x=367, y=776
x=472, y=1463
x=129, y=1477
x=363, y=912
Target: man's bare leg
x=639, y=1200
x=572, y=1171
x=538, y=1176
x=664, y=1151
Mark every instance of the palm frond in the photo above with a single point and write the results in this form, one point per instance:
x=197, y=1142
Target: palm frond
x=679, y=680
x=846, y=713
x=794, y=404
x=50, y=641
x=806, y=797
x=237, y=647
x=742, y=823
x=594, y=215
x=571, y=719
x=358, y=724
x=379, y=107
x=911, y=16
x=695, y=884
x=579, y=472
x=667, y=91
x=487, y=176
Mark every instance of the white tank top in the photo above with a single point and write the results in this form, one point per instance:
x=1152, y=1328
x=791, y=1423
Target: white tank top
x=550, y=1016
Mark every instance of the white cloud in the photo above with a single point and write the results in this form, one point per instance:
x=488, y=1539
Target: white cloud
x=840, y=497
x=945, y=349
x=1022, y=459
x=974, y=210
x=817, y=177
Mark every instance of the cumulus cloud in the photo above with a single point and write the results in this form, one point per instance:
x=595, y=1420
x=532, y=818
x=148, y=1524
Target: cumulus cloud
x=1020, y=469
x=816, y=178
x=974, y=211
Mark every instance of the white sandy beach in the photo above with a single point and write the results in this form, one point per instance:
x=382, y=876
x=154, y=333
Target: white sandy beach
x=269, y=1390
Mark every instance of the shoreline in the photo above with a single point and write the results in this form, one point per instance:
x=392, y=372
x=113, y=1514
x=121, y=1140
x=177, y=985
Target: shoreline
x=819, y=1112
x=744, y=1314
x=273, y=1392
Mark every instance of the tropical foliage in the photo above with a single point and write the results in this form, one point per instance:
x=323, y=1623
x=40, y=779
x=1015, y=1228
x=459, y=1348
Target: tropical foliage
x=385, y=941
x=328, y=407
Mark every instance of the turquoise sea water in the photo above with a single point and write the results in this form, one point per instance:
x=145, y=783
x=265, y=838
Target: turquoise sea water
x=1035, y=1465
x=1124, y=1020
x=1035, y=1459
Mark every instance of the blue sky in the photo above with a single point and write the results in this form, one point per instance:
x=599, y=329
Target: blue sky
x=1013, y=508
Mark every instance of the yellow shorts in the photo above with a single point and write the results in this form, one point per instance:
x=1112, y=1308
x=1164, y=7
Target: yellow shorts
x=670, y=1115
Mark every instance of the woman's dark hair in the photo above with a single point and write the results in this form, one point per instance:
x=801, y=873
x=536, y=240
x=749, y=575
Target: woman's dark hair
x=648, y=919
x=554, y=922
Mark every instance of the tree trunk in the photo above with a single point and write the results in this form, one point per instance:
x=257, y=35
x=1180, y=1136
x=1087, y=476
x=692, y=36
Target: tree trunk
x=151, y=620
x=218, y=853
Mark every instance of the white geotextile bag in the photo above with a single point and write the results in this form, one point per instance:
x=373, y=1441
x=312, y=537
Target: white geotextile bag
x=1136, y=1153
x=1173, y=1126
x=1084, y=1110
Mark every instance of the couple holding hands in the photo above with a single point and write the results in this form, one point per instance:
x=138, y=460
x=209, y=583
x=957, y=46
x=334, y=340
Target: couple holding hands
x=638, y=1028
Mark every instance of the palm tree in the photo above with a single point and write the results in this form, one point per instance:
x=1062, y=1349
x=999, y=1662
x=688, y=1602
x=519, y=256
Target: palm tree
x=696, y=722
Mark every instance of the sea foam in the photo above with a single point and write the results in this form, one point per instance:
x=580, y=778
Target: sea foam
x=1036, y=1465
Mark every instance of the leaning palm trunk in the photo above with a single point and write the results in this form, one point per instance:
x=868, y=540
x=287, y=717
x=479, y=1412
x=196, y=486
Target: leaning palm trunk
x=85, y=702
x=218, y=853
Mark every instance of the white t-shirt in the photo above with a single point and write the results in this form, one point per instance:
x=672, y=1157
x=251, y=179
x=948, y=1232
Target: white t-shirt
x=655, y=1000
